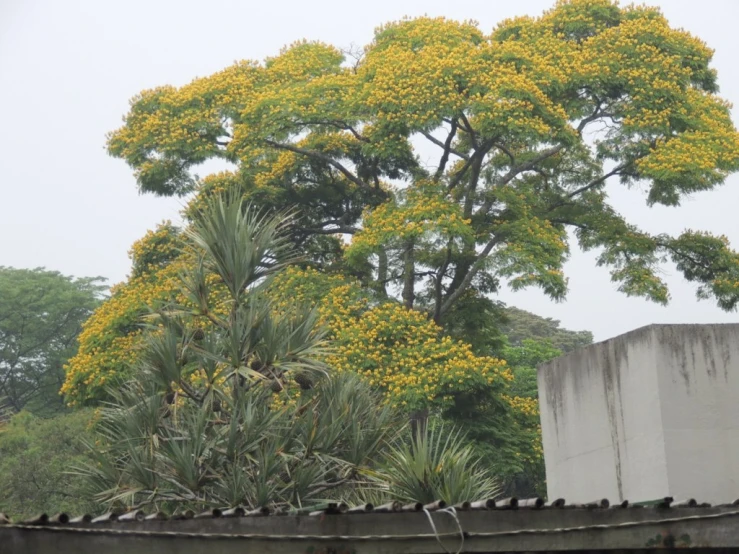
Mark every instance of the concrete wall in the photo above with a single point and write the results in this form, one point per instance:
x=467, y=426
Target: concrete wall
x=652, y=413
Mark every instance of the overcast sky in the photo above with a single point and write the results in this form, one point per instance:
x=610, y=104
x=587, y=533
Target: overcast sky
x=68, y=68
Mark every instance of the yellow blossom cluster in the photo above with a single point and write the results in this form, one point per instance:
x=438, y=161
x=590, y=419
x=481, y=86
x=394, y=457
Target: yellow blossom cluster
x=396, y=349
x=110, y=340
x=530, y=82
x=337, y=137
x=524, y=405
x=421, y=212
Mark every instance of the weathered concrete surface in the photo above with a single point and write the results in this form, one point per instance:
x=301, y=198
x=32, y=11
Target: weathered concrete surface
x=651, y=413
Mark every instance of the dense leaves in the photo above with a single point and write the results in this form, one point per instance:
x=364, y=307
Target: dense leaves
x=436, y=463
x=457, y=159
x=422, y=370
x=438, y=165
x=37, y=462
x=520, y=325
x=523, y=359
x=395, y=349
x=41, y=313
x=111, y=338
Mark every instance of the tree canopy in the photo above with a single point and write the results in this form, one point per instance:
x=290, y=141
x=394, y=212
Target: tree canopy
x=396, y=351
x=41, y=314
x=455, y=159
x=37, y=461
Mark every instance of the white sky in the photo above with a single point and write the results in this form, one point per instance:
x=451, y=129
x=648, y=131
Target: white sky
x=67, y=70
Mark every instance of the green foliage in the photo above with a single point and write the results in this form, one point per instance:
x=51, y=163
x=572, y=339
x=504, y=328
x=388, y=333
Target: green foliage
x=478, y=320
x=523, y=360
x=240, y=449
x=417, y=366
x=520, y=325
x=530, y=122
x=232, y=403
x=499, y=434
x=437, y=463
x=41, y=313
x=37, y=457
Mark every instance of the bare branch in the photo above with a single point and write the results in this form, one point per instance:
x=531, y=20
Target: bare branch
x=598, y=181
x=438, y=283
x=597, y=114
x=461, y=173
x=447, y=144
x=506, y=152
x=530, y=164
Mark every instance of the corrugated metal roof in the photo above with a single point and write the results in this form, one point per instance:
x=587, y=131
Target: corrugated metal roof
x=341, y=508
x=484, y=526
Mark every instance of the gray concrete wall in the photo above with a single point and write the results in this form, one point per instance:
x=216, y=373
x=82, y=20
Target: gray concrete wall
x=652, y=413
x=699, y=391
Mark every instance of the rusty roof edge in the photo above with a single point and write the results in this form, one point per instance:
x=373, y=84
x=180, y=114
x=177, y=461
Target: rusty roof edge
x=341, y=508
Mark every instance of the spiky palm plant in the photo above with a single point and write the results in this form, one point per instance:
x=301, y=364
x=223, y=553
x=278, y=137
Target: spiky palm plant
x=200, y=426
x=438, y=463
x=215, y=419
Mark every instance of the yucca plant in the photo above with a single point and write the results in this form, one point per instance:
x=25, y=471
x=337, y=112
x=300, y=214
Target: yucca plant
x=214, y=417
x=437, y=463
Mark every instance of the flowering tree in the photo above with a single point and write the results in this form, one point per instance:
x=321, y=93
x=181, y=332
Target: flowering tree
x=527, y=124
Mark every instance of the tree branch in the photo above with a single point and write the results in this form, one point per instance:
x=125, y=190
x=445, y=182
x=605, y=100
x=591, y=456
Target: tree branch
x=467, y=127
x=438, y=284
x=598, y=181
x=320, y=156
x=517, y=170
x=343, y=229
x=446, y=145
x=460, y=174
x=530, y=164
x=339, y=125
x=409, y=280
x=476, y=266
x=506, y=152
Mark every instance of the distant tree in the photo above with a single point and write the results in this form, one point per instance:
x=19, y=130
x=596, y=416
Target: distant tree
x=37, y=461
x=41, y=314
x=520, y=325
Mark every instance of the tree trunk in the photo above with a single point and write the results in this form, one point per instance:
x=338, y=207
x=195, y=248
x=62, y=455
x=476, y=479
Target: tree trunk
x=409, y=277
x=382, y=273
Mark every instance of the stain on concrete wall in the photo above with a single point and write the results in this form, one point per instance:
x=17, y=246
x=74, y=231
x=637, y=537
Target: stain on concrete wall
x=634, y=416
